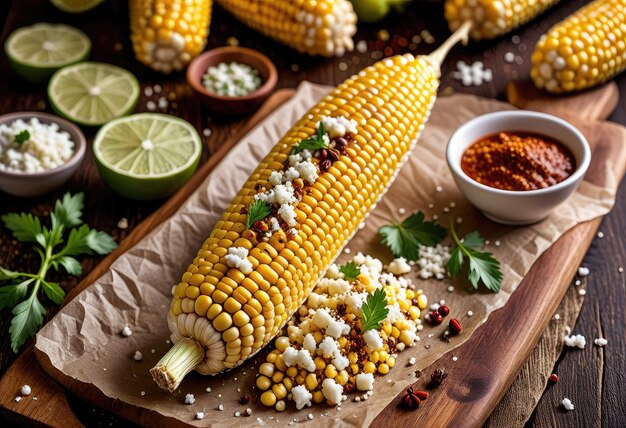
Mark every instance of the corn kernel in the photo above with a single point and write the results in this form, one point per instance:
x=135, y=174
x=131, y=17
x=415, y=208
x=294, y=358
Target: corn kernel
x=268, y=398
x=263, y=383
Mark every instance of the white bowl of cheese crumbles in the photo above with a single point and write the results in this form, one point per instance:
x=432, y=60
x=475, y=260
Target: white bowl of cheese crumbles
x=38, y=152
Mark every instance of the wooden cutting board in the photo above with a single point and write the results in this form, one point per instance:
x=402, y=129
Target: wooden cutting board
x=473, y=396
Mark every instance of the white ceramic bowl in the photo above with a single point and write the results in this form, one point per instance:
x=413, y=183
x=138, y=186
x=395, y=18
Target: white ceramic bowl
x=517, y=207
x=38, y=183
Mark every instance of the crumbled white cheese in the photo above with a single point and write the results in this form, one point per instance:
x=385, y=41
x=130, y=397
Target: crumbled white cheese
x=274, y=224
x=26, y=390
x=567, y=403
x=294, y=159
x=583, y=271
x=301, y=358
x=337, y=328
x=276, y=178
x=577, y=340
x=288, y=214
x=190, y=399
x=474, y=74
x=126, y=331
x=315, y=300
x=373, y=340
x=282, y=194
x=365, y=381
x=200, y=416
x=399, y=266
x=412, y=361
x=333, y=272
x=291, y=174
x=338, y=286
x=321, y=318
x=600, y=341
x=301, y=396
x=328, y=347
x=332, y=391
x=237, y=258
x=339, y=126
x=138, y=356
x=232, y=79
x=309, y=343
x=18, y=399
x=123, y=223
x=308, y=171
x=220, y=407
x=340, y=362
x=290, y=355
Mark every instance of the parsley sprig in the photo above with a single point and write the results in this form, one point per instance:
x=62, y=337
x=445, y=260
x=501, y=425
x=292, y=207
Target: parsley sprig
x=316, y=142
x=22, y=136
x=404, y=238
x=483, y=267
x=350, y=271
x=55, y=249
x=258, y=210
x=374, y=309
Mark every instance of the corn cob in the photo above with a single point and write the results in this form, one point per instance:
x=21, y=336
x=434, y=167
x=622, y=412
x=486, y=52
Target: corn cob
x=221, y=315
x=312, y=354
x=168, y=34
x=315, y=27
x=584, y=50
x=493, y=18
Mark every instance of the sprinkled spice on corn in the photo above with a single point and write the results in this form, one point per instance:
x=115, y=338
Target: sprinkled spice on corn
x=493, y=18
x=325, y=353
x=584, y=50
x=167, y=35
x=315, y=27
x=241, y=289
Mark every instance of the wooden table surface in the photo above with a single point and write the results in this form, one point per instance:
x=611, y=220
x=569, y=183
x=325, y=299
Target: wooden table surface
x=593, y=379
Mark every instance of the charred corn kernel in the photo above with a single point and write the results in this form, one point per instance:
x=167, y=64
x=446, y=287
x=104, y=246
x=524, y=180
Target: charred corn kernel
x=318, y=397
x=584, y=50
x=279, y=391
x=268, y=398
x=315, y=27
x=383, y=368
x=391, y=361
x=369, y=367
x=330, y=371
x=266, y=369
x=422, y=302
x=311, y=381
x=493, y=18
x=263, y=383
x=342, y=378
x=401, y=91
x=166, y=35
x=292, y=371
x=280, y=406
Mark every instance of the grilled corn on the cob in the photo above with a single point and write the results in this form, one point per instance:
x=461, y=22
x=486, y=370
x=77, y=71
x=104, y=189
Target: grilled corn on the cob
x=168, y=34
x=492, y=18
x=584, y=50
x=315, y=27
x=243, y=286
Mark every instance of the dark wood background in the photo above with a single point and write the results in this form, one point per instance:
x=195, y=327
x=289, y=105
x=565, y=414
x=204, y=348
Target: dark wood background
x=593, y=379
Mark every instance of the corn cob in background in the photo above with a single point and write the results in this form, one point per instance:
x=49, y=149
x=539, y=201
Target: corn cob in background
x=584, y=50
x=315, y=27
x=168, y=34
x=493, y=18
x=246, y=282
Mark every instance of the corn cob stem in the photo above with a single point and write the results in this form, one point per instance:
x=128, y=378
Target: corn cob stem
x=460, y=35
x=181, y=359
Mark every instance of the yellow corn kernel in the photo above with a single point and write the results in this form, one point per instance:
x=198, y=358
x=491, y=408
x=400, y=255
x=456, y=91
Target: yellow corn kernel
x=374, y=357
x=266, y=369
x=280, y=406
x=268, y=398
x=353, y=357
x=318, y=397
x=279, y=391
x=263, y=383
x=282, y=343
x=330, y=371
x=278, y=376
x=369, y=367
x=422, y=301
x=292, y=371
x=320, y=364
x=383, y=368
x=391, y=361
x=311, y=381
x=342, y=378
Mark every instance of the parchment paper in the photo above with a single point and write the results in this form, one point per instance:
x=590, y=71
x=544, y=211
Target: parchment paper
x=83, y=340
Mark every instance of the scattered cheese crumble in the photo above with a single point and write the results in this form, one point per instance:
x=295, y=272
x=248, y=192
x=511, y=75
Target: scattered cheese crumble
x=600, y=341
x=26, y=390
x=126, y=331
x=399, y=266
x=567, y=404
x=577, y=340
x=190, y=399
x=237, y=258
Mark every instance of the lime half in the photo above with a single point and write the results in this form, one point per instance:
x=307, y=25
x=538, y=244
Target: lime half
x=92, y=93
x=76, y=6
x=147, y=156
x=36, y=52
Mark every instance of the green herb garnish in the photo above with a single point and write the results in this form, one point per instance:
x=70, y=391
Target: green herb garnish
x=350, y=271
x=314, y=143
x=374, y=309
x=483, y=267
x=55, y=250
x=22, y=136
x=405, y=238
x=258, y=210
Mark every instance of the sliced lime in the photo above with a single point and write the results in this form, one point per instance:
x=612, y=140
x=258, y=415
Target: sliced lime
x=76, y=6
x=92, y=93
x=147, y=156
x=36, y=52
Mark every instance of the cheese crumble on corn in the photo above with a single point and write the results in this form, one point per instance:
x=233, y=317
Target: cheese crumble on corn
x=231, y=79
x=324, y=354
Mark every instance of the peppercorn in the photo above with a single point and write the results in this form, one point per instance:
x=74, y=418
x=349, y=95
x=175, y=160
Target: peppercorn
x=348, y=388
x=454, y=326
x=443, y=310
x=553, y=377
x=435, y=318
x=325, y=165
x=245, y=398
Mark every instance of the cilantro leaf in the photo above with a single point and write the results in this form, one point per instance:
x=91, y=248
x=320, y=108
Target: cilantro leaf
x=77, y=242
x=27, y=318
x=71, y=265
x=53, y=291
x=69, y=210
x=350, y=271
x=51, y=238
x=374, y=309
x=100, y=242
x=404, y=239
x=11, y=294
x=22, y=136
x=483, y=268
x=258, y=210
x=25, y=227
x=8, y=274
x=317, y=142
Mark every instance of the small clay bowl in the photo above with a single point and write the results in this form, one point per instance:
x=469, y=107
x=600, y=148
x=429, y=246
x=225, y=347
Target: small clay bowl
x=233, y=105
x=25, y=184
